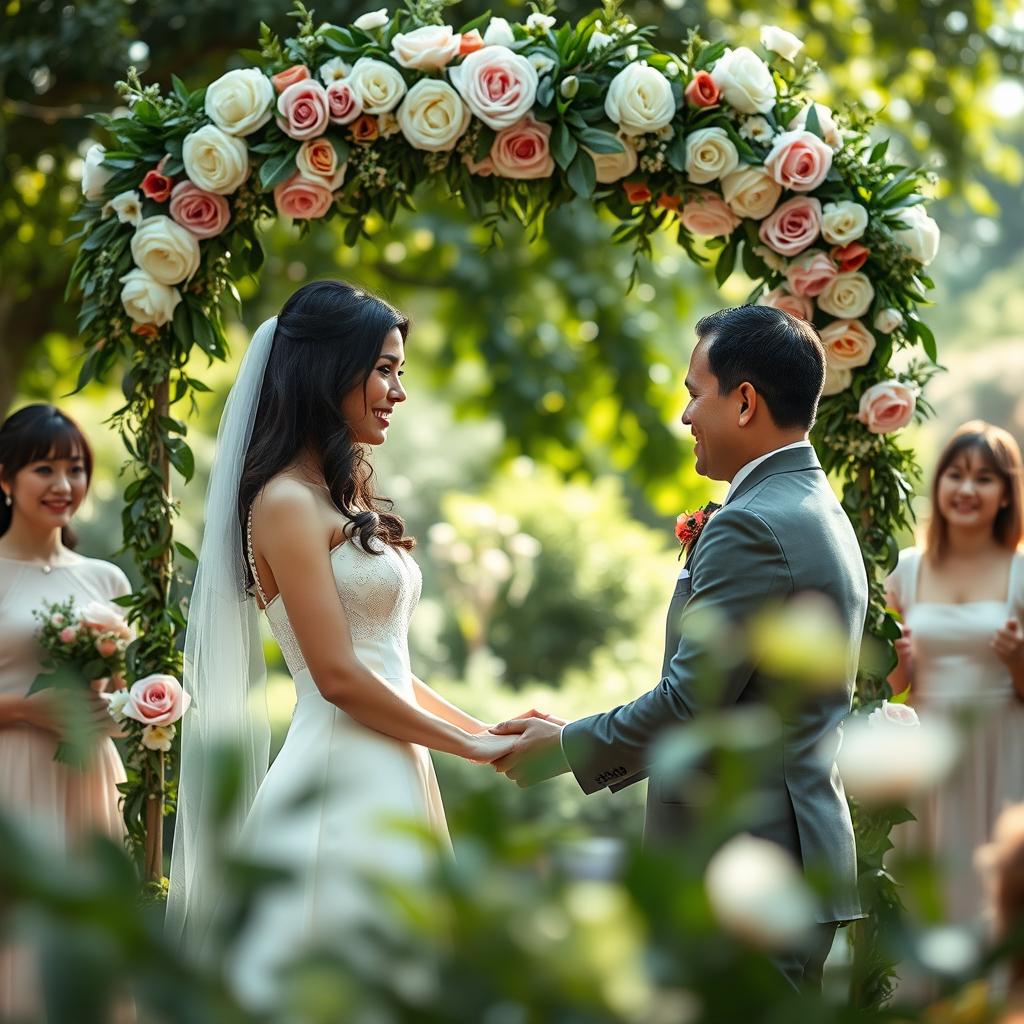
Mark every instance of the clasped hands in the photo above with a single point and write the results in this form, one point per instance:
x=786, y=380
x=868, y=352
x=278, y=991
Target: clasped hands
x=537, y=753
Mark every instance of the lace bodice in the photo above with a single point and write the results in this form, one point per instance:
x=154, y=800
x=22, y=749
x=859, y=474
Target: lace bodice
x=378, y=593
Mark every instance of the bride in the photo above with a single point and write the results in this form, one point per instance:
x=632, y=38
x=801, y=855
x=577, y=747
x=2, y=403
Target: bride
x=294, y=528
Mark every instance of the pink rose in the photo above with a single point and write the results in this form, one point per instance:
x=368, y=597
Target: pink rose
x=157, y=700
x=702, y=91
x=283, y=79
x=301, y=199
x=810, y=273
x=69, y=634
x=202, y=212
x=101, y=618
x=522, y=151
x=799, y=160
x=499, y=86
x=304, y=110
x=792, y=226
x=106, y=646
x=847, y=343
x=708, y=215
x=481, y=168
x=795, y=305
x=887, y=406
x=343, y=105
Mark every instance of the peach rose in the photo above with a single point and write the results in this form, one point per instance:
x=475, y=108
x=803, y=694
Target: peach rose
x=283, y=79
x=157, y=700
x=837, y=379
x=751, y=192
x=106, y=646
x=481, y=168
x=850, y=257
x=887, y=406
x=637, y=192
x=156, y=185
x=343, y=105
x=304, y=110
x=793, y=226
x=702, y=91
x=810, y=273
x=669, y=202
x=795, y=305
x=301, y=199
x=848, y=344
x=799, y=160
x=708, y=215
x=68, y=635
x=523, y=150
x=201, y=212
x=317, y=161
x=471, y=41
x=365, y=129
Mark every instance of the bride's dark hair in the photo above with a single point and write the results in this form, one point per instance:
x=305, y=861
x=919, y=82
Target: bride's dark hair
x=328, y=339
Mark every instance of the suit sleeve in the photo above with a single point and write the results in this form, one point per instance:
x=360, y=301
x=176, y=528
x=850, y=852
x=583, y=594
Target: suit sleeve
x=737, y=568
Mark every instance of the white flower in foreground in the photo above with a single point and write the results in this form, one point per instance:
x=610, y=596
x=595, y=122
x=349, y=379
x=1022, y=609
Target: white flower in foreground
x=598, y=41
x=240, y=101
x=888, y=713
x=921, y=236
x=333, y=70
x=886, y=759
x=378, y=86
x=158, y=737
x=542, y=64
x=640, y=100
x=499, y=33
x=744, y=81
x=127, y=206
x=116, y=700
x=756, y=128
x=539, y=22
x=215, y=161
x=758, y=893
x=94, y=175
x=164, y=249
x=372, y=20
x=779, y=41
x=146, y=300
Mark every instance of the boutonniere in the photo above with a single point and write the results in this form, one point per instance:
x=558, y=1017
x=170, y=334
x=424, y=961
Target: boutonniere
x=690, y=525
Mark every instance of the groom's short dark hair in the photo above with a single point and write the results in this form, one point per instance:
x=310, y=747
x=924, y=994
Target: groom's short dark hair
x=780, y=355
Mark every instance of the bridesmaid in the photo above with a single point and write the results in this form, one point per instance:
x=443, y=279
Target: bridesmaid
x=45, y=466
x=961, y=599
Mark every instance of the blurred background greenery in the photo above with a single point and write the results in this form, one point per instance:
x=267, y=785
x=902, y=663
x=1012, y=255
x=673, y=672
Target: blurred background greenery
x=540, y=459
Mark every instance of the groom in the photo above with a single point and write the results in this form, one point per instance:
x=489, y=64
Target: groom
x=754, y=381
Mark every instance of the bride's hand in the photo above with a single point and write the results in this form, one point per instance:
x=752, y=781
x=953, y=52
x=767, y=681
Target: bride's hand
x=486, y=748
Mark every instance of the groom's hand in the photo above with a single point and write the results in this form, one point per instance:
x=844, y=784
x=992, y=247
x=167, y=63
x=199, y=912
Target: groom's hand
x=538, y=754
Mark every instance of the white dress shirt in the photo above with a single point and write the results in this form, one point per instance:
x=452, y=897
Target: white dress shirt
x=749, y=468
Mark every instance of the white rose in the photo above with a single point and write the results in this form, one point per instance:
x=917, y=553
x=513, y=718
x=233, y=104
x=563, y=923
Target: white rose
x=889, y=320
x=843, y=222
x=751, y=192
x=116, y=700
x=333, y=70
x=241, y=101
x=710, y=154
x=901, y=715
x=148, y=301
x=127, y=206
x=829, y=128
x=758, y=893
x=848, y=295
x=598, y=41
x=94, y=175
x=428, y=48
x=538, y=21
x=921, y=236
x=611, y=167
x=371, y=20
x=378, y=86
x=640, y=100
x=744, y=81
x=779, y=41
x=432, y=116
x=837, y=379
x=214, y=160
x=158, y=737
x=499, y=33
x=498, y=85
x=165, y=250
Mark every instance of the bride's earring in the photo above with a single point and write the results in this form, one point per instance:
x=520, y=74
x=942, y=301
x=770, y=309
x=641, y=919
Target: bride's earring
x=8, y=500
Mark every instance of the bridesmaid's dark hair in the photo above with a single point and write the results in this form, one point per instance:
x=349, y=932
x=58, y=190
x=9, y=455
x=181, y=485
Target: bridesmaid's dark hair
x=38, y=432
x=328, y=339
x=999, y=449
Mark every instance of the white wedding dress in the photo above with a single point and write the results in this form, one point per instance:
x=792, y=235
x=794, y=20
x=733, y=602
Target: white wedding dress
x=335, y=806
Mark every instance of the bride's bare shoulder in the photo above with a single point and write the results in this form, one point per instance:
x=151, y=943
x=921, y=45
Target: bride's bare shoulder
x=285, y=502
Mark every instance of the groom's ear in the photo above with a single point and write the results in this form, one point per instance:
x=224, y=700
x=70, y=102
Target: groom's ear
x=748, y=404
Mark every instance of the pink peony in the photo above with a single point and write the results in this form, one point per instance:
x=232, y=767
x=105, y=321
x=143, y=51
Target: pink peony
x=301, y=199
x=343, y=105
x=708, y=215
x=799, y=160
x=202, y=212
x=795, y=305
x=887, y=406
x=810, y=273
x=157, y=700
x=702, y=91
x=792, y=226
x=304, y=110
x=283, y=79
x=522, y=151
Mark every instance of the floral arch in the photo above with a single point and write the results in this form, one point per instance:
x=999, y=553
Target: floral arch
x=722, y=145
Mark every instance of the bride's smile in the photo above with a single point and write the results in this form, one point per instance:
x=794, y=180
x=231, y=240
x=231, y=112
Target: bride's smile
x=367, y=409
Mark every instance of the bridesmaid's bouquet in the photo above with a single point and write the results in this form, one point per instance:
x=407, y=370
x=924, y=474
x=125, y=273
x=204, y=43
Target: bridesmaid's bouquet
x=82, y=650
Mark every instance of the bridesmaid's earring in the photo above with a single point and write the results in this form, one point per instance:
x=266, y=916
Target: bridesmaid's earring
x=7, y=499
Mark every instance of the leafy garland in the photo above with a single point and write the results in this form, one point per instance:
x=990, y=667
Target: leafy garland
x=513, y=121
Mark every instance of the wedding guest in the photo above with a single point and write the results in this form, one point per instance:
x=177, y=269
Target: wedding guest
x=961, y=598
x=45, y=468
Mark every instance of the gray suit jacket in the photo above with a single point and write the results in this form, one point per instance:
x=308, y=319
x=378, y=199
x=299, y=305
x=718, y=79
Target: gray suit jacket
x=781, y=533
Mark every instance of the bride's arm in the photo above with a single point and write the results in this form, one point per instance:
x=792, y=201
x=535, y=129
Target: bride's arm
x=289, y=534
x=433, y=702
